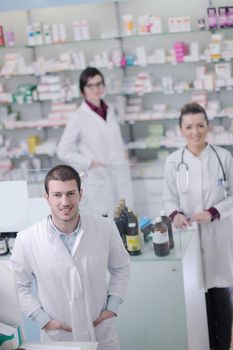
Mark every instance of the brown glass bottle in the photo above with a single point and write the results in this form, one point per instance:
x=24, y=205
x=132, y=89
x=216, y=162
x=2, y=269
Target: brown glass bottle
x=133, y=242
x=168, y=222
x=160, y=238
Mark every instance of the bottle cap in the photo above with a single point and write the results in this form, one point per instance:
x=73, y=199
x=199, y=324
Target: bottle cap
x=163, y=213
x=158, y=220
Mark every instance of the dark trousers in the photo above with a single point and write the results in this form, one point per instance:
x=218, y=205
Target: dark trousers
x=219, y=315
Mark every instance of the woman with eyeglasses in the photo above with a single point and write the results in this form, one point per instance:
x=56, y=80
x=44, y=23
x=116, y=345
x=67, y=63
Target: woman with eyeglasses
x=198, y=187
x=92, y=142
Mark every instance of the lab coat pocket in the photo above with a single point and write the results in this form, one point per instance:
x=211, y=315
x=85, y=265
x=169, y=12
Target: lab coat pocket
x=56, y=335
x=106, y=335
x=53, y=332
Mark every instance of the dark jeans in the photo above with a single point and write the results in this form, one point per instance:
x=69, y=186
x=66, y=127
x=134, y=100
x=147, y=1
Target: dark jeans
x=219, y=315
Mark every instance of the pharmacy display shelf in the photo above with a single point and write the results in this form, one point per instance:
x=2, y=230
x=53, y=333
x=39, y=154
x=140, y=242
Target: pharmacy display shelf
x=60, y=124
x=67, y=42
x=54, y=72
x=190, y=90
x=175, y=63
x=228, y=88
x=110, y=68
x=14, y=47
x=173, y=147
x=28, y=155
x=46, y=125
x=167, y=117
x=75, y=42
x=166, y=33
x=116, y=37
x=55, y=100
x=17, y=76
x=157, y=90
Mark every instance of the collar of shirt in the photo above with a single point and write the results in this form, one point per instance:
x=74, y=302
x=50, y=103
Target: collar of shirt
x=101, y=110
x=67, y=239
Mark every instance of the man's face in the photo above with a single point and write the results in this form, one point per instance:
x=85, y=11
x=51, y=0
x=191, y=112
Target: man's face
x=63, y=199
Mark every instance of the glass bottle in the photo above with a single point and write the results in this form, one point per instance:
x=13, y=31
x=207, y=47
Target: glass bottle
x=160, y=238
x=168, y=222
x=3, y=246
x=133, y=241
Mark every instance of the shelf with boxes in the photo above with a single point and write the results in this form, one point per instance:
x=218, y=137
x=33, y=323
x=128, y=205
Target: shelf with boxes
x=157, y=74
x=162, y=92
x=68, y=40
x=59, y=51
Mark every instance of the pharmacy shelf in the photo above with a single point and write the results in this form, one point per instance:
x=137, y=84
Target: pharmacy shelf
x=170, y=118
x=116, y=37
x=28, y=155
x=25, y=127
x=54, y=72
x=62, y=124
x=75, y=42
x=228, y=88
x=173, y=147
x=175, y=63
x=17, y=47
x=68, y=42
x=195, y=31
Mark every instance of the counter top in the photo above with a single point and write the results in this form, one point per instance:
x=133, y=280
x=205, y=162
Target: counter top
x=59, y=345
x=181, y=240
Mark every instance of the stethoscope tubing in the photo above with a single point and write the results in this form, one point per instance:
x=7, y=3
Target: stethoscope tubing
x=182, y=163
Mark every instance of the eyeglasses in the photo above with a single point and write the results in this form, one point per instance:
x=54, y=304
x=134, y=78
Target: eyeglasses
x=98, y=85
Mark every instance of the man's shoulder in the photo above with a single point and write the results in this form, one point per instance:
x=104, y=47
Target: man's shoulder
x=95, y=219
x=33, y=229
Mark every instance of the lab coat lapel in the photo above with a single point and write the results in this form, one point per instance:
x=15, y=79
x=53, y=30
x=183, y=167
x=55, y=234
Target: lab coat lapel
x=81, y=236
x=56, y=240
x=77, y=242
x=96, y=118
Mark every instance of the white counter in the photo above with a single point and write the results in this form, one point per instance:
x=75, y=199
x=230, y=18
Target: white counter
x=165, y=304
x=59, y=346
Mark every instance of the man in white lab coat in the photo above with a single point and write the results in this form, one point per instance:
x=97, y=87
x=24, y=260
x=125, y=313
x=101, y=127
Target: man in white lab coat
x=69, y=254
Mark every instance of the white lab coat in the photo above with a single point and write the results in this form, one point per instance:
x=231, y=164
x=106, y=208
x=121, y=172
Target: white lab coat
x=88, y=137
x=73, y=289
x=203, y=192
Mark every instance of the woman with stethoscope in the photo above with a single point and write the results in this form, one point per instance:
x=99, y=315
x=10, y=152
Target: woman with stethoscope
x=198, y=187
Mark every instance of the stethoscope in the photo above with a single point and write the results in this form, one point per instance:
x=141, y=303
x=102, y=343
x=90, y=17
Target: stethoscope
x=183, y=189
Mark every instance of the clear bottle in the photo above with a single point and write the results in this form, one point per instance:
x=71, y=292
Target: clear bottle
x=133, y=240
x=160, y=238
x=168, y=222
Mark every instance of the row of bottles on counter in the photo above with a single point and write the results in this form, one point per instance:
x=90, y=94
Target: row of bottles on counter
x=7, y=241
x=128, y=226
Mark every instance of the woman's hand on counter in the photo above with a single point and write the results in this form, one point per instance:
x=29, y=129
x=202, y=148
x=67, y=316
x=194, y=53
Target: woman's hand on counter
x=54, y=324
x=203, y=217
x=103, y=316
x=180, y=221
